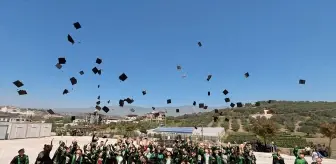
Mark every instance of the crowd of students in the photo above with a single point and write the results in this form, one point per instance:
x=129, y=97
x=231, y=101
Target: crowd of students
x=141, y=151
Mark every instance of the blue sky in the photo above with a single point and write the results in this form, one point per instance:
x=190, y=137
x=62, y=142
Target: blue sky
x=277, y=42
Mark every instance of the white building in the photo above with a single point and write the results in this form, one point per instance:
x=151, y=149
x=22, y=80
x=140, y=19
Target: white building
x=79, y=120
x=14, y=110
x=131, y=117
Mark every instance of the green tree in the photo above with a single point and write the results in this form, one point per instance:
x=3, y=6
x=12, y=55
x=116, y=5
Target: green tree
x=329, y=130
x=264, y=128
x=234, y=125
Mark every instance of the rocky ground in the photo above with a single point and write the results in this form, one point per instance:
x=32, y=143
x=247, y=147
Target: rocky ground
x=9, y=148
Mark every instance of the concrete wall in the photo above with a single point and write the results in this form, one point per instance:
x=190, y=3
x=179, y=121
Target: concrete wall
x=24, y=130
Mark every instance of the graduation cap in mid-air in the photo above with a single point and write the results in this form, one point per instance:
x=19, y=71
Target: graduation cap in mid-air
x=61, y=60
x=232, y=105
x=81, y=72
x=269, y=101
x=108, y=101
x=18, y=83
x=73, y=80
x=77, y=25
x=153, y=108
x=70, y=39
x=216, y=110
x=194, y=103
x=177, y=110
x=121, y=103
x=247, y=74
x=73, y=118
x=132, y=110
x=65, y=91
x=257, y=103
x=239, y=104
x=205, y=107
x=201, y=105
x=98, y=97
x=144, y=92
x=98, y=86
x=123, y=77
x=178, y=67
x=59, y=66
x=208, y=93
x=301, y=81
x=227, y=100
x=209, y=77
x=50, y=111
x=98, y=103
x=199, y=44
x=99, y=61
x=95, y=70
x=22, y=92
x=129, y=100
x=227, y=120
x=225, y=92
x=98, y=107
x=106, y=109
x=168, y=101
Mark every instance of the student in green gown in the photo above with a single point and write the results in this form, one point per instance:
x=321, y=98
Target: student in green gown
x=21, y=158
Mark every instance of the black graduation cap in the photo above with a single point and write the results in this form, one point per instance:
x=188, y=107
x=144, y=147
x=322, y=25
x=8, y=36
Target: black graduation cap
x=227, y=120
x=77, y=25
x=61, y=60
x=22, y=92
x=257, y=103
x=95, y=70
x=232, y=105
x=98, y=86
x=199, y=44
x=178, y=67
x=225, y=92
x=132, y=110
x=70, y=39
x=153, y=108
x=227, y=100
x=209, y=77
x=106, y=109
x=129, y=100
x=98, y=107
x=123, y=77
x=98, y=97
x=239, y=104
x=59, y=66
x=99, y=72
x=18, y=83
x=73, y=118
x=144, y=92
x=73, y=80
x=99, y=61
x=269, y=101
x=247, y=74
x=221, y=113
x=168, y=101
x=177, y=110
x=216, y=110
x=65, y=91
x=121, y=102
x=215, y=118
x=194, y=103
x=98, y=102
x=208, y=93
x=205, y=107
x=50, y=111
x=81, y=72
x=195, y=127
x=301, y=81
x=108, y=101
x=201, y=105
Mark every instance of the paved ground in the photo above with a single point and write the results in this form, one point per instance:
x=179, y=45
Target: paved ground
x=9, y=148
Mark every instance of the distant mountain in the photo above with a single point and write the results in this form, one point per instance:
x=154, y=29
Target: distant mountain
x=122, y=111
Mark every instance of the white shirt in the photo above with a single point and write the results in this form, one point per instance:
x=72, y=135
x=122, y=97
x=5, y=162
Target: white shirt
x=314, y=156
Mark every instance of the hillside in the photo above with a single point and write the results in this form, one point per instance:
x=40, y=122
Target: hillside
x=290, y=116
